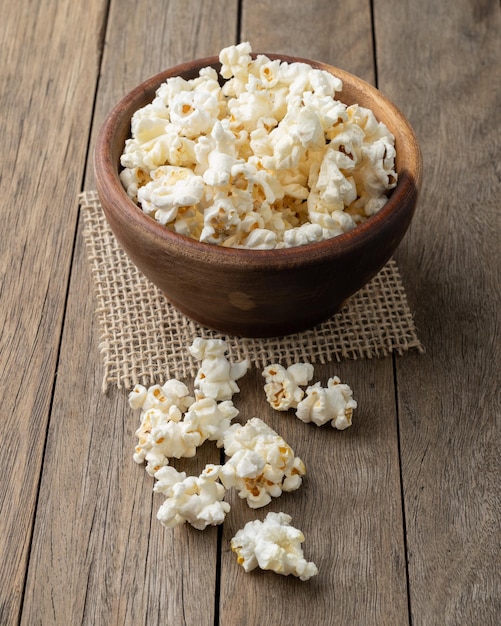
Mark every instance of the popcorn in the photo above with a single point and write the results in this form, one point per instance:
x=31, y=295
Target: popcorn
x=282, y=385
x=193, y=112
x=197, y=500
x=273, y=545
x=261, y=464
x=171, y=393
x=269, y=159
x=333, y=403
x=222, y=156
x=170, y=189
x=162, y=434
x=299, y=131
x=216, y=377
x=161, y=438
x=166, y=477
x=210, y=418
x=235, y=60
x=166, y=433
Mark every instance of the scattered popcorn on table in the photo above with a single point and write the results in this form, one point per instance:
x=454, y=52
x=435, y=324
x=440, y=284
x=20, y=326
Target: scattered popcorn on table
x=166, y=433
x=270, y=159
x=216, y=377
x=197, y=500
x=282, y=385
x=273, y=545
x=333, y=403
x=261, y=464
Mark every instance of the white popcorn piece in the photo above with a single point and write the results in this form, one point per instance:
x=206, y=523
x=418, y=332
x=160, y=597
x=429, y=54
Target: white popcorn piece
x=137, y=396
x=220, y=220
x=210, y=418
x=301, y=235
x=261, y=465
x=161, y=438
x=297, y=132
x=222, y=156
x=235, y=60
x=335, y=189
x=197, y=500
x=166, y=477
x=273, y=545
x=172, y=393
x=172, y=188
x=216, y=377
x=282, y=386
x=333, y=403
x=221, y=164
x=260, y=239
x=193, y=113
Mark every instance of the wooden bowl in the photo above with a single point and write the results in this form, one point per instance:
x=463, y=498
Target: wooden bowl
x=257, y=293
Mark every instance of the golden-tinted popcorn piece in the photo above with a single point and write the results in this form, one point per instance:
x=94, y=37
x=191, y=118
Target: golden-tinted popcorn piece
x=161, y=438
x=261, y=465
x=273, y=545
x=282, y=386
x=172, y=393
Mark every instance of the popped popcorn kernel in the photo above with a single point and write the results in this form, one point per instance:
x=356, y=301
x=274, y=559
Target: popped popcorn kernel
x=261, y=465
x=333, y=403
x=216, y=377
x=273, y=545
x=197, y=500
x=161, y=438
x=216, y=162
x=282, y=386
x=210, y=418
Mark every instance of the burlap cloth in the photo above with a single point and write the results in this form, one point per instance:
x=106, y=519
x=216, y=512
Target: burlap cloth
x=144, y=339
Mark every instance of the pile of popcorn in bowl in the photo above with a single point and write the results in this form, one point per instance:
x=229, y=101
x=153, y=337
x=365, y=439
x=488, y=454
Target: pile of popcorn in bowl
x=259, y=156
x=257, y=192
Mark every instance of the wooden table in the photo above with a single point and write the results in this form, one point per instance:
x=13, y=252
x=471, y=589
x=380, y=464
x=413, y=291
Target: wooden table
x=401, y=513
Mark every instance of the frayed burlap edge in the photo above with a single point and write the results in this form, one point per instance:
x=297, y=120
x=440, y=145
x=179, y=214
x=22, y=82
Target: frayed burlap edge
x=144, y=339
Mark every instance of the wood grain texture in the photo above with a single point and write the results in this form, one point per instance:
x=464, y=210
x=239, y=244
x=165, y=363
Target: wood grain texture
x=99, y=555
x=349, y=506
x=46, y=111
x=331, y=31
x=449, y=402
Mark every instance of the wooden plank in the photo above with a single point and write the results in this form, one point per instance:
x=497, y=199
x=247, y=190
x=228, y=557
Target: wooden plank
x=99, y=555
x=333, y=32
x=349, y=509
x=349, y=506
x=49, y=58
x=447, y=80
